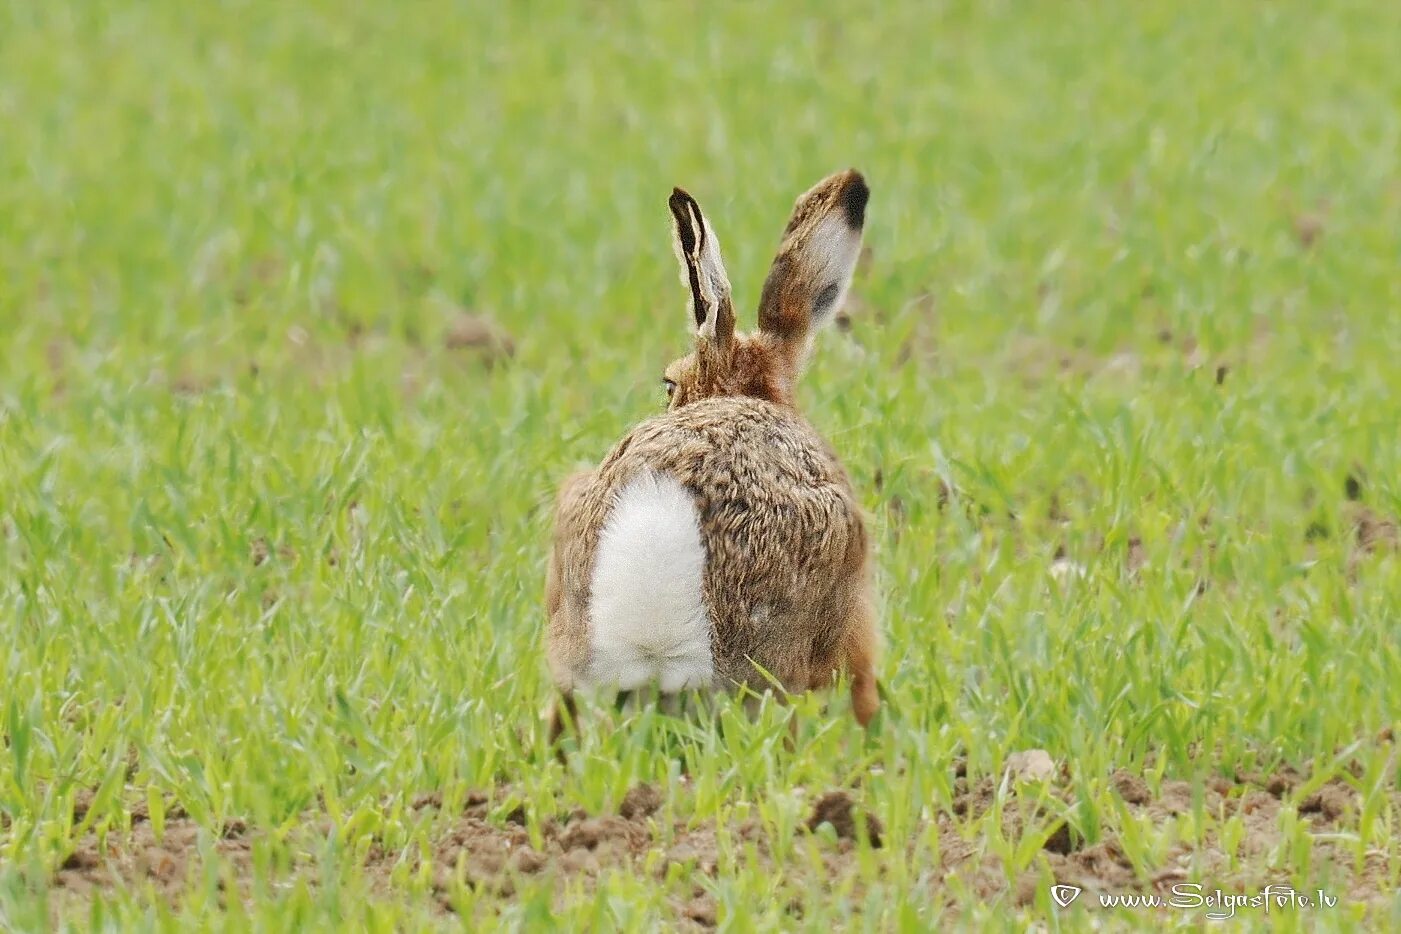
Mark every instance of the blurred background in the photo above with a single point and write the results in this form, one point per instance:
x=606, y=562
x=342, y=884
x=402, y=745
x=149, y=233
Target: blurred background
x=186, y=185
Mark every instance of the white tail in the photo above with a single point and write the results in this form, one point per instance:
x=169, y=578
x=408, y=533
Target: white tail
x=647, y=618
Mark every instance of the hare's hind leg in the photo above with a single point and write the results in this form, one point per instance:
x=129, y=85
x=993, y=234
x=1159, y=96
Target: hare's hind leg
x=859, y=646
x=562, y=654
x=566, y=654
x=563, y=714
x=566, y=641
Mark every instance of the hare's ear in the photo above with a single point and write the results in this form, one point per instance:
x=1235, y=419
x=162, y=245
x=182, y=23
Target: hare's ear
x=702, y=271
x=810, y=276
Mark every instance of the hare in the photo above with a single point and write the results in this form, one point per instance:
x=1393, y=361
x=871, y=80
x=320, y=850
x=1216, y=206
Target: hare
x=721, y=539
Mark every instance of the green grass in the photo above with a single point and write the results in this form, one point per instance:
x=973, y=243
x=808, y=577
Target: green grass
x=232, y=237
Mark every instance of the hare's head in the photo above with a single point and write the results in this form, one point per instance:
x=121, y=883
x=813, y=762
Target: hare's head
x=805, y=286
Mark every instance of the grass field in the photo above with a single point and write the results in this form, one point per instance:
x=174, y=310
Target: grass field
x=307, y=308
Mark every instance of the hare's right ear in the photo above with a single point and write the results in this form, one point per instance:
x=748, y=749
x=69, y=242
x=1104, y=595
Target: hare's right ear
x=703, y=272
x=810, y=275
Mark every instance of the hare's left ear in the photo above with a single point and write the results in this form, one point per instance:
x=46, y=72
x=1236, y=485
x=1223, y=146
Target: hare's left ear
x=809, y=278
x=703, y=272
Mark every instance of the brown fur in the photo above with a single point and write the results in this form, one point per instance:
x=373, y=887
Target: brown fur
x=786, y=581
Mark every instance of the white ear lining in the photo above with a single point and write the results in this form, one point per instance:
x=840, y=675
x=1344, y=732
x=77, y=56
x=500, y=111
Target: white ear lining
x=831, y=252
x=713, y=280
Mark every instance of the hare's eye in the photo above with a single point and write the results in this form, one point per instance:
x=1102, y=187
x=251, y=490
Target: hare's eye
x=670, y=385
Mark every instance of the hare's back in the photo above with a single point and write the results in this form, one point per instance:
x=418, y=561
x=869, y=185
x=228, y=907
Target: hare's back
x=735, y=452
x=774, y=506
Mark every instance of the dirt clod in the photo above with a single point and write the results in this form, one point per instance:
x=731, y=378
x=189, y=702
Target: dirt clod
x=528, y=861
x=82, y=803
x=1137, y=556
x=159, y=864
x=1374, y=531
x=1062, y=841
x=1132, y=788
x=641, y=802
x=1176, y=797
x=81, y=858
x=596, y=831
x=1031, y=765
x=481, y=334
x=972, y=800
x=1103, y=863
x=1331, y=801
x=837, y=808
x=701, y=910
x=1308, y=228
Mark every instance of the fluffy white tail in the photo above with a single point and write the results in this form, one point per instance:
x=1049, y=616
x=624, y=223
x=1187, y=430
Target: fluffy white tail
x=648, y=622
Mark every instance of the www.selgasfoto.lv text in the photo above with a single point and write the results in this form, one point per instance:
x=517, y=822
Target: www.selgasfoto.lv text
x=1222, y=905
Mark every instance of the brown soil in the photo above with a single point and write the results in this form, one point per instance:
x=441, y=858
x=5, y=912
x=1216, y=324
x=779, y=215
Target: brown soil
x=166, y=864
x=490, y=855
x=1131, y=788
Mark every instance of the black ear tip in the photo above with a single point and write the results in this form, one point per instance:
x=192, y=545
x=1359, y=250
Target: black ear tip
x=855, y=194
x=678, y=201
x=687, y=215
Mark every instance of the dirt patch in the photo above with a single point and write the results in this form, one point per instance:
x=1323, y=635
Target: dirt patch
x=577, y=848
x=1101, y=866
x=484, y=853
x=166, y=862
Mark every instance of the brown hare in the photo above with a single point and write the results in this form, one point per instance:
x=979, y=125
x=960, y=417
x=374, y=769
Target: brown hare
x=722, y=537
